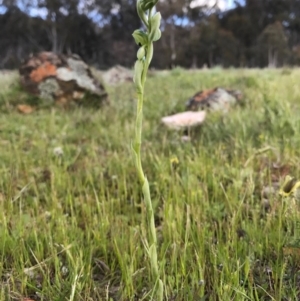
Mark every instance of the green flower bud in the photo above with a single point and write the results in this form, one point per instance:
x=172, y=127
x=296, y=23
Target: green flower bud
x=141, y=12
x=140, y=37
x=157, y=35
x=148, y=4
x=150, y=52
x=141, y=53
x=155, y=20
x=155, y=24
x=138, y=71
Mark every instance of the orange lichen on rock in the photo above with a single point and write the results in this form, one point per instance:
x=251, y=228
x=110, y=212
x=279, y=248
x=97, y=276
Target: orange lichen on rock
x=217, y=99
x=45, y=70
x=202, y=95
x=60, y=79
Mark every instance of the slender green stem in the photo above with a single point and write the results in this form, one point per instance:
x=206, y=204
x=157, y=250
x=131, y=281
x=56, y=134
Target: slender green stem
x=146, y=191
x=139, y=115
x=144, y=56
x=138, y=143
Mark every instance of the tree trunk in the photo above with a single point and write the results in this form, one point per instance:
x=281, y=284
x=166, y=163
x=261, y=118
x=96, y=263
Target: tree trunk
x=54, y=36
x=275, y=59
x=194, y=63
x=210, y=59
x=272, y=58
x=172, y=45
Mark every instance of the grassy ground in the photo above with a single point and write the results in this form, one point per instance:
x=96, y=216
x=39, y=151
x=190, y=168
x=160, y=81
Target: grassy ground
x=72, y=224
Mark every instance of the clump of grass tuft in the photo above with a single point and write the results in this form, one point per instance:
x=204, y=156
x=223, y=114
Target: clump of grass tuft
x=68, y=220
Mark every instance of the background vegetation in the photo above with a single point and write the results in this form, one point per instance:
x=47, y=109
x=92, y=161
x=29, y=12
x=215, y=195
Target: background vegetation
x=254, y=33
x=71, y=218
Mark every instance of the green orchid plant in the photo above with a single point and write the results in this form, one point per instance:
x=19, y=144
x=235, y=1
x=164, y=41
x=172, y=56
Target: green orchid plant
x=145, y=39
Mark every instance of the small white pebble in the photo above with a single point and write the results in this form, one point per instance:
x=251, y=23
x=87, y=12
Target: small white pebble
x=29, y=272
x=185, y=139
x=64, y=270
x=47, y=214
x=58, y=151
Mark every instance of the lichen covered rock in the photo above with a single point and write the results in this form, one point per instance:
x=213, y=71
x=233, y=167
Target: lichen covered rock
x=59, y=79
x=117, y=75
x=217, y=99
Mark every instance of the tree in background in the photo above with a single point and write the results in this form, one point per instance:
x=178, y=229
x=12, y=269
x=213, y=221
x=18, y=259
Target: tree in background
x=193, y=35
x=175, y=14
x=228, y=49
x=272, y=46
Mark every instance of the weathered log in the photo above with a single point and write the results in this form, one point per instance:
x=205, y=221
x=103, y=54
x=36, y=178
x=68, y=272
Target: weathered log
x=59, y=79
